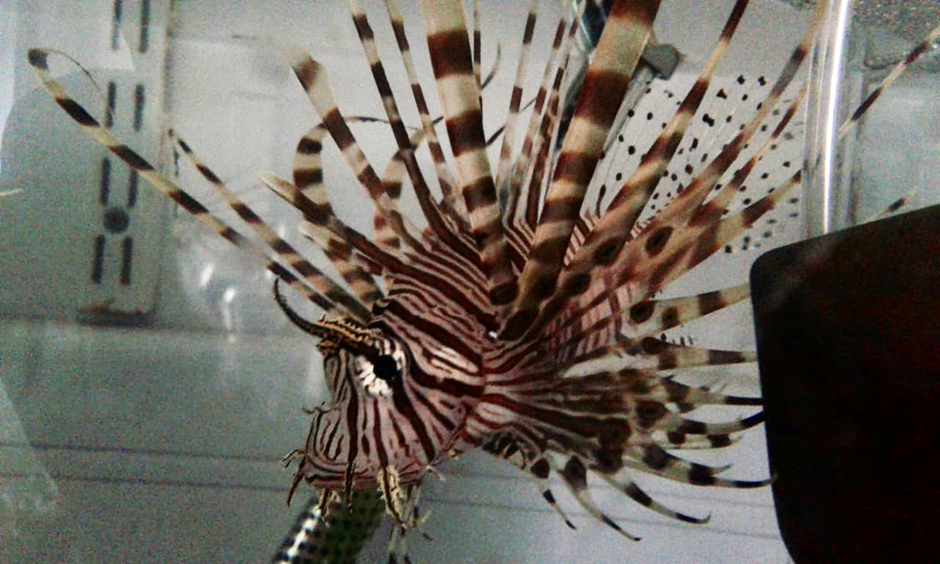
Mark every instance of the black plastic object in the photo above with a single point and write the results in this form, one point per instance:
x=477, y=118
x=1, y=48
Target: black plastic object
x=848, y=337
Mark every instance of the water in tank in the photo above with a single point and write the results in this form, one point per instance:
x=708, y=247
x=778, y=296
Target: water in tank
x=512, y=281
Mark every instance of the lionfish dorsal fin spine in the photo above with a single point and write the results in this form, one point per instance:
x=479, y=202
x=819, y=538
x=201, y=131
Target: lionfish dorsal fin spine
x=445, y=231
x=534, y=161
x=521, y=164
x=445, y=177
x=446, y=29
x=625, y=36
x=515, y=99
x=38, y=60
x=314, y=79
x=323, y=283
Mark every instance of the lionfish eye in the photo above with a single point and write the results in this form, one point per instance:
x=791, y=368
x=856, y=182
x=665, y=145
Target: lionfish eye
x=386, y=369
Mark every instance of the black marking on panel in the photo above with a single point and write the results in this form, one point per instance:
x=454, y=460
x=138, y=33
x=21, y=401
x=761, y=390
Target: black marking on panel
x=138, y=107
x=116, y=220
x=104, y=185
x=97, y=267
x=132, y=183
x=144, y=27
x=116, y=24
x=112, y=101
x=127, y=254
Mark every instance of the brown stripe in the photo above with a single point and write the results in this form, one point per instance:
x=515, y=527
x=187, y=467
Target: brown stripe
x=309, y=146
x=560, y=209
x=754, y=211
x=399, y=29
x=466, y=133
x=37, y=58
x=363, y=28
x=77, y=112
x=306, y=177
x=601, y=96
x=208, y=174
x=451, y=53
x=131, y=158
x=338, y=129
x=480, y=195
x=187, y=202
x=529, y=28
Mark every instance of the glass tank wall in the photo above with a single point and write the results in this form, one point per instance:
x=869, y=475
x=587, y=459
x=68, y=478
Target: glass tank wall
x=149, y=385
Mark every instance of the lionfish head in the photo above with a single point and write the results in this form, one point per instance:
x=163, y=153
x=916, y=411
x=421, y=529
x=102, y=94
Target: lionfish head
x=374, y=429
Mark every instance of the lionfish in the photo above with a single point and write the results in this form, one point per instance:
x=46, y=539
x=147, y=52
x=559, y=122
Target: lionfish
x=521, y=320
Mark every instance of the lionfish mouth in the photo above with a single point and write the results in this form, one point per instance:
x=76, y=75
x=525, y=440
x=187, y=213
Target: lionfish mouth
x=501, y=295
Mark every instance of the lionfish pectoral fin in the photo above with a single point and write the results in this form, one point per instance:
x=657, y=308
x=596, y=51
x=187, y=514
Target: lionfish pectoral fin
x=512, y=450
x=634, y=492
x=574, y=474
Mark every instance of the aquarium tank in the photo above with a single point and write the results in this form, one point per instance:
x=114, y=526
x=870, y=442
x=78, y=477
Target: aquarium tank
x=521, y=313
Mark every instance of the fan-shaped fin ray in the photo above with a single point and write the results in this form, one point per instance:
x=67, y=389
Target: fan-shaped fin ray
x=618, y=52
x=313, y=77
x=628, y=486
x=38, y=61
x=452, y=63
x=285, y=250
x=521, y=164
x=437, y=222
x=574, y=475
x=650, y=317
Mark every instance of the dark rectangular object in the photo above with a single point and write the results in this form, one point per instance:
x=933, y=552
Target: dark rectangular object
x=848, y=337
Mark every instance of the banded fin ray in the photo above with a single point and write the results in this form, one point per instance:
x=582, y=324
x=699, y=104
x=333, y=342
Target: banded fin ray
x=451, y=60
x=37, y=58
x=618, y=52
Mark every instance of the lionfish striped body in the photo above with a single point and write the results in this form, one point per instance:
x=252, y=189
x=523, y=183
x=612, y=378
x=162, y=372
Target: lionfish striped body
x=483, y=331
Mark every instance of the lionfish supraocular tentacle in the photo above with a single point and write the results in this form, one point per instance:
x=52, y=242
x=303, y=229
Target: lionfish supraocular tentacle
x=285, y=250
x=38, y=61
x=618, y=52
x=451, y=60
